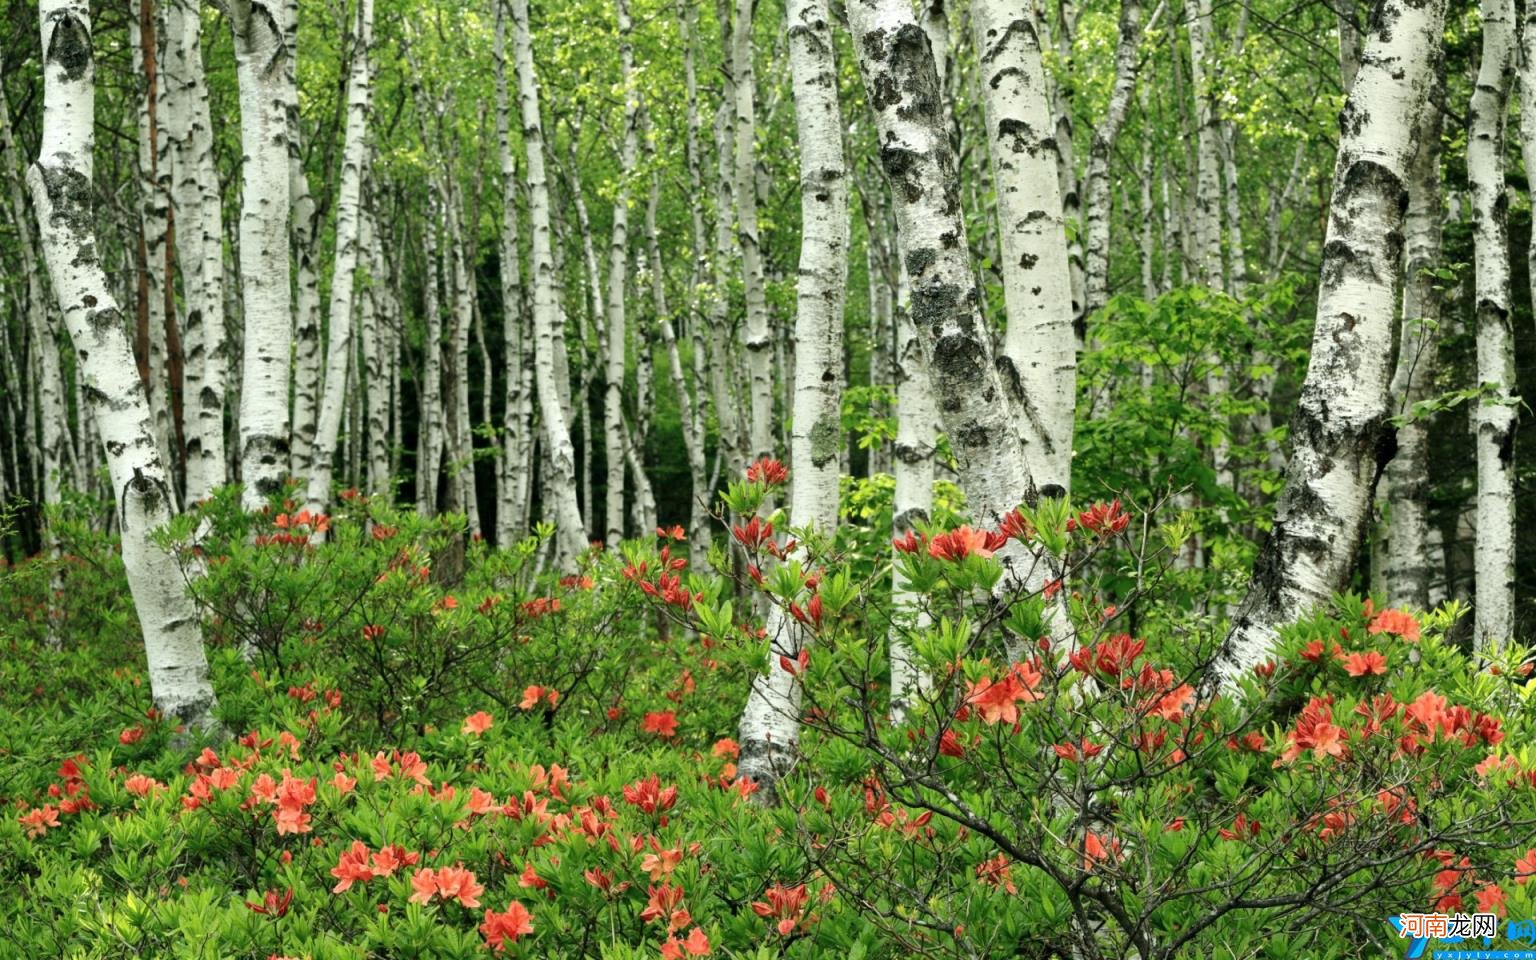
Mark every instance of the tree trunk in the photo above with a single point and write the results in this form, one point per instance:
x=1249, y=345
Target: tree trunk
x=560, y=458
x=1341, y=435
x=618, y=262
x=1096, y=284
x=344, y=271
x=62, y=195
x=771, y=721
x=757, y=337
x=1494, y=416
x=266, y=91
x=513, y=481
x=1409, y=563
x=1037, y=284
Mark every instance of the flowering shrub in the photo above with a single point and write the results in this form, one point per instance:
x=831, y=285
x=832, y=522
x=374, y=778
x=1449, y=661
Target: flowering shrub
x=439, y=759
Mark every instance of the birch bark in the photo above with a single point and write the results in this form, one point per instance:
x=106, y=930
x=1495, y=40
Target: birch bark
x=266, y=93
x=1037, y=284
x=1096, y=247
x=770, y=723
x=757, y=337
x=344, y=272
x=618, y=262
x=560, y=493
x=1409, y=558
x=1494, y=416
x=62, y=195
x=1341, y=436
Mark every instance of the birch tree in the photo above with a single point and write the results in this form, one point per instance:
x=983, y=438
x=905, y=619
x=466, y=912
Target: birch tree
x=1037, y=284
x=1409, y=564
x=770, y=723
x=618, y=260
x=199, y=249
x=513, y=479
x=1494, y=415
x=1341, y=438
x=757, y=338
x=1096, y=247
x=262, y=56
x=61, y=185
x=559, y=459
x=348, y=223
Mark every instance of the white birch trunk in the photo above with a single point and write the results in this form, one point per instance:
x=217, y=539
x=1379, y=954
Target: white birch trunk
x=354, y=158
x=757, y=337
x=1409, y=560
x=1494, y=416
x=62, y=195
x=618, y=262
x=1096, y=247
x=266, y=92
x=560, y=458
x=431, y=417
x=770, y=724
x=376, y=323
x=1037, y=284
x=1340, y=434
x=199, y=250
x=513, y=480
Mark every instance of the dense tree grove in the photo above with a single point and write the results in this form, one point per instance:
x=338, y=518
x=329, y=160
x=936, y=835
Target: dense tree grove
x=917, y=477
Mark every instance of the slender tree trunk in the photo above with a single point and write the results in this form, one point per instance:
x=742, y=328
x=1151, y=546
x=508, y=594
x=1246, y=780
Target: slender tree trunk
x=199, y=249
x=1349, y=44
x=1096, y=283
x=1341, y=435
x=62, y=195
x=344, y=272
x=1409, y=562
x=757, y=337
x=376, y=324
x=771, y=721
x=560, y=458
x=618, y=262
x=513, y=481
x=1037, y=283
x=266, y=93
x=1494, y=416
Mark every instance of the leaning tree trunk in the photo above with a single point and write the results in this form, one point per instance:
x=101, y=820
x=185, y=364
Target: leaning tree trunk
x=1410, y=566
x=1341, y=434
x=266, y=91
x=770, y=724
x=1037, y=282
x=560, y=458
x=62, y=195
x=354, y=157
x=1494, y=416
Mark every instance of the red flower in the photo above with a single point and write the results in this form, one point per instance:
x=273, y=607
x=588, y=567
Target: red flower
x=1075, y=752
x=352, y=868
x=131, y=735
x=1490, y=899
x=786, y=904
x=950, y=745
x=768, y=470
x=449, y=883
x=1397, y=622
x=662, y=902
x=662, y=723
x=1095, y=850
x=505, y=927
x=273, y=904
x=961, y=542
x=648, y=794
x=695, y=945
x=1361, y=664
x=1525, y=867
x=996, y=872
x=998, y=700
x=1242, y=829
x=477, y=723
x=908, y=543
x=1110, y=657
x=40, y=819
x=1101, y=518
